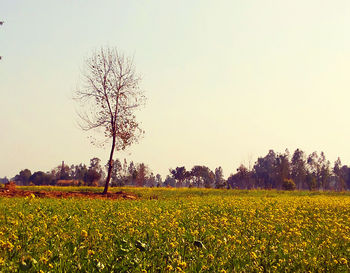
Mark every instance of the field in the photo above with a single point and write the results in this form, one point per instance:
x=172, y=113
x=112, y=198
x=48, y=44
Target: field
x=177, y=230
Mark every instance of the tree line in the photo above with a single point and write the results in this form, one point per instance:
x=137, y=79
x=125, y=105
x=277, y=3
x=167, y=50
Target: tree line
x=281, y=171
x=94, y=174
x=273, y=171
x=299, y=170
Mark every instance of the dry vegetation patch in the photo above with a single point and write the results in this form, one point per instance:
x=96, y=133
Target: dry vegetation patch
x=10, y=190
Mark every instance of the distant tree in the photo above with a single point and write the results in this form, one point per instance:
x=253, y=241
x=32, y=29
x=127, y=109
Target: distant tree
x=242, y=179
x=264, y=171
x=159, y=180
x=111, y=93
x=282, y=169
x=298, y=169
x=325, y=171
x=151, y=181
x=288, y=185
x=203, y=176
x=71, y=171
x=79, y=172
x=345, y=170
x=117, y=177
x=62, y=171
x=313, y=170
x=233, y=181
x=132, y=173
x=320, y=168
x=23, y=178
x=142, y=174
x=311, y=181
x=95, y=165
x=92, y=177
x=41, y=178
x=169, y=181
x=125, y=172
x=312, y=161
x=220, y=182
x=179, y=174
x=340, y=175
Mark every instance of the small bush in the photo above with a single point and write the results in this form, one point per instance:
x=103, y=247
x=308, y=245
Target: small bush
x=288, y=185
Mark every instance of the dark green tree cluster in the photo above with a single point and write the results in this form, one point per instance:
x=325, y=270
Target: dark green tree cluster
x=308, y=172
x=123, y=174
x=199, y=176
x=281, y=171
x=75, y=174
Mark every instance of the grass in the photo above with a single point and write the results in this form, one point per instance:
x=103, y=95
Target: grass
x=169, y=193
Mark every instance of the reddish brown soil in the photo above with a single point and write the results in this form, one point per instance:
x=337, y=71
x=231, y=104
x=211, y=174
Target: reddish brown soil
x=11, y=191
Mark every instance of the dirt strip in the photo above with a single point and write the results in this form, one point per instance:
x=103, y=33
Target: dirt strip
x=12, y=191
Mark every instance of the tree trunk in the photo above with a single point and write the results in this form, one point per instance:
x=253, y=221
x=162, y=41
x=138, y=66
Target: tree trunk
x=110, y=166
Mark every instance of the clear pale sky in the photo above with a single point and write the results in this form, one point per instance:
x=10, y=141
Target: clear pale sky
x=225, y=80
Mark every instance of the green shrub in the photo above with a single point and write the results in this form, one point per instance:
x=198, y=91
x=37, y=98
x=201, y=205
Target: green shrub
x=288, y=185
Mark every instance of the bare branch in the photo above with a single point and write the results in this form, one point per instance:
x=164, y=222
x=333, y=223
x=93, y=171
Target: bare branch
x=110, y=90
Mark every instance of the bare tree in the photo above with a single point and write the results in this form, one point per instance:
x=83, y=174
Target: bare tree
x=110, y=94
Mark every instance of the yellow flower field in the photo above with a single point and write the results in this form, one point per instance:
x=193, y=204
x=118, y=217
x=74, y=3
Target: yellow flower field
x=186, y=230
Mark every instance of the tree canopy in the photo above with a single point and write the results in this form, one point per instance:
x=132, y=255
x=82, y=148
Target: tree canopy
x=109, y=95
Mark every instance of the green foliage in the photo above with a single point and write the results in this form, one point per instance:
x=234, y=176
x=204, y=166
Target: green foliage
x=23, y=178
x=288, y=185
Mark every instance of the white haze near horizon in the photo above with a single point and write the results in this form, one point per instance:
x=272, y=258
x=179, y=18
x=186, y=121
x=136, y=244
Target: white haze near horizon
x=226, y=81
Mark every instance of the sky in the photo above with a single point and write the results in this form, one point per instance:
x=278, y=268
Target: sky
x=225, y=81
